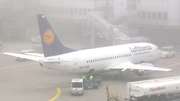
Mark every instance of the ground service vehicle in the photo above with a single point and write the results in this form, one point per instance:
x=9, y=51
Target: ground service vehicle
x=167, y=52
x=93, y=83
x=153, y=90
x=77, y=87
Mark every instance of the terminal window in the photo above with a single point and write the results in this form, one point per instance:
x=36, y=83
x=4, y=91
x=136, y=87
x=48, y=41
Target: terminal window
x=54, y=10
x=89, y=10
x=71, y=10
x=154, y=15
x=62, y=10
x=159, y=15
x=49, y=10
x=165, y=16
x=67, y=10
x=80, y=11
x=148, y=15
x=75, y=10
x=139, y=14
x=45, y=9
x=138, y=1
x=143, y=14
x=84, y=11
x=57, y=9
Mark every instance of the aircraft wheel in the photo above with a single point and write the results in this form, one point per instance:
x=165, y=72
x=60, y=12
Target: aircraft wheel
x=85, y=88
x=152, y=98
x=162, y=97
x=100, y=83
x=82, y=94
x=17, y=59
x=95, y=87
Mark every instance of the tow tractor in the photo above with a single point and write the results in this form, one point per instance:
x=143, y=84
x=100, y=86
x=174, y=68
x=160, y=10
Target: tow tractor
x=94, y=82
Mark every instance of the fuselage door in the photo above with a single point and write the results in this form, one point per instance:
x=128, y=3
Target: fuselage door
x=75, y=64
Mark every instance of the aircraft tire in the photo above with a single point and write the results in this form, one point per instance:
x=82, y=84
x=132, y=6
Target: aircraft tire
x=162, y=97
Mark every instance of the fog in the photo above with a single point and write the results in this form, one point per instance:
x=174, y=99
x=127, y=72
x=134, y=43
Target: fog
x=83, y=24
x=19, y=22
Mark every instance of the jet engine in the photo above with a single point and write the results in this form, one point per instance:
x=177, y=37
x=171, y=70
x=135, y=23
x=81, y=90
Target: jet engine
x=143, y=72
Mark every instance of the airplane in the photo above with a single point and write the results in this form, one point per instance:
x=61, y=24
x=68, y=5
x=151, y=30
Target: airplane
x=135, y=57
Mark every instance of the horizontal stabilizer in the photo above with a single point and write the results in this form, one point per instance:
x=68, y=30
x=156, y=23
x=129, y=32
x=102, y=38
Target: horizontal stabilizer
x=24, y=56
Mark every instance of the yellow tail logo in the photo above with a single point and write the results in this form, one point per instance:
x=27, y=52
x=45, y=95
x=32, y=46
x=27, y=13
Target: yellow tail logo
x=48, y=37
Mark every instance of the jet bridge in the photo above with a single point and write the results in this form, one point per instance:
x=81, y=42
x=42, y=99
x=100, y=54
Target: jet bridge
x=100, y=27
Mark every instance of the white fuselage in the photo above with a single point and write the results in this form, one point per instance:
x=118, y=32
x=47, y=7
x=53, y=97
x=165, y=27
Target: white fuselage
x=98, y=59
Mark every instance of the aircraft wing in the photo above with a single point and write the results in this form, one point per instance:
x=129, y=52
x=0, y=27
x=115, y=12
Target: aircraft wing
x=26, y=56
x=143, y=66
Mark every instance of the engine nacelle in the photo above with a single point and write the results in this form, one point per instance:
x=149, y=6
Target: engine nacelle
x=143, y=72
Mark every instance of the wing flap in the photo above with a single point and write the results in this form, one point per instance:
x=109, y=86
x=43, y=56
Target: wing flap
x=131, y=66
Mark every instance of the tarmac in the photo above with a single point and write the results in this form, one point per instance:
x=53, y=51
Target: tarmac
x=28, y=81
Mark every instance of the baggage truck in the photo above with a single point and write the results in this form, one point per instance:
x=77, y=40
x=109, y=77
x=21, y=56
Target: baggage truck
x=153, y=90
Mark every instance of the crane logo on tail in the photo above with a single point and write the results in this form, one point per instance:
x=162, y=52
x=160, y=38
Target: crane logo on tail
x=48, y=37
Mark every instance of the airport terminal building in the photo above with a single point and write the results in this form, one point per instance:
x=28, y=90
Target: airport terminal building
x=149, y=17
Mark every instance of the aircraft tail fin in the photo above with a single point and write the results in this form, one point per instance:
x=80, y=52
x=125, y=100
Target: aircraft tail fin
x=50, y=42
